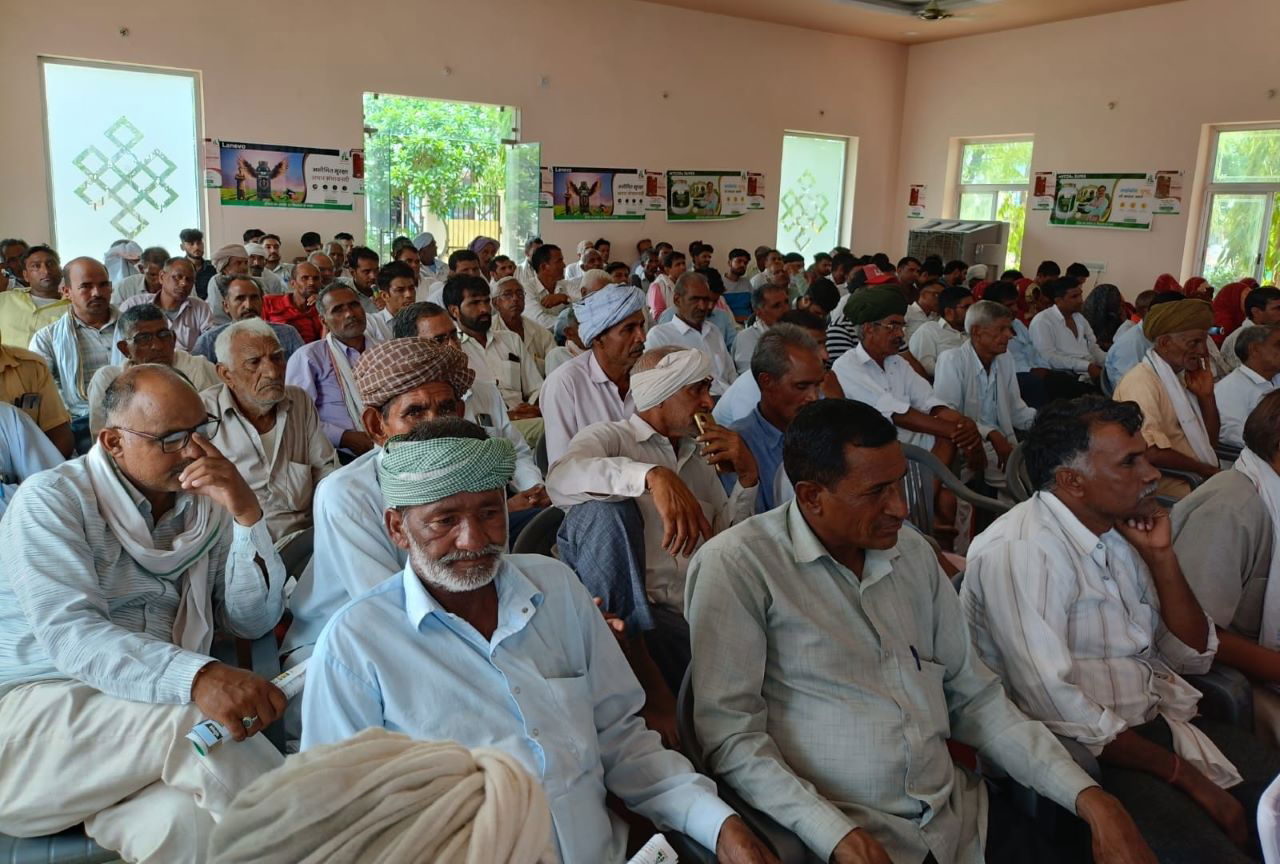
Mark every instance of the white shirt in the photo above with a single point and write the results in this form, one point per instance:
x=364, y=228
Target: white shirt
x=560, y=355
x=504, y=361
x=1237, y=395
x=577, y=395
x=1071, y=622
x=708, y=340
x=744, y=345
x=738, y=401
x=573, y=271
x=24, y=450
x=916, y=317
x=990, y=398
x=538, y=340
x=609, y=462
x=931, y=339
x=892, y=389
x=533, y=294
x=1229, y=358
x=199, y=371
x=1059, y=348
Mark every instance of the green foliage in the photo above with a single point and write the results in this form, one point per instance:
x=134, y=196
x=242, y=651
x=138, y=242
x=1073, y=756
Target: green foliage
x=1248, y=156
x=996, y=162
x=1013, y=209
x=1235, y=220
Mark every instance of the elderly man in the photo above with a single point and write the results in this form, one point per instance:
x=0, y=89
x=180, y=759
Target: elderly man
x=542, y=676
x=1173, y=386
x=298, y=307
x=595, y=387
x=79, y=343
x=935, y=337
x=740, y=400
x=429, y=266
x=229, y=262
x=188, y=316
x=1077, y=601
x=23, y=311
x=1063, y=336
x=1258, y=373
x=24, y=450
x=115, y=570
x=11, y=251
x=690, y=329
x=269, y=430
x=1261, y=306
x=324, y=370
x=647, y=270
x=402, y=383
x=147, y=280
x=1129, y=348
x=643, y=493
x=980, y=380
x=271, y=283
x=549, y=292
x=770, y=261
x=508, y=298
x=575, y=270
x=768, y=304
x=831, y=614
x=143, y=337
x=242, y=301
x=192, y=242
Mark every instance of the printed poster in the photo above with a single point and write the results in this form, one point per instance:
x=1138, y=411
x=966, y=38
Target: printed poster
x=276, y=175
x=597, y=193
x=1121, y=200
x=655, y=190
x=702, y=195
x=755, y=190
x=916, y=201
x=1168, y=194
x=546, y=196
x=1042, y=189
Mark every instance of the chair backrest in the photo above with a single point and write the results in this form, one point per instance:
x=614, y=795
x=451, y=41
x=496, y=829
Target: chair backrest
x=296, y=552
x=922, y=468
x=540, y=456
x=1269, y=823
x=1017, y=480
x=539, y=534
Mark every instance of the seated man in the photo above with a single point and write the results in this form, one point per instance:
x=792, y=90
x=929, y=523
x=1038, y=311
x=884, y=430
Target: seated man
x=147, y=281
x=297, y=308
x=721, y=315
x=787, y=368
x=115, y=569
x=1261, y=306
x=26, y=382
x=397, y=288
x=462, y=262
x=690, y=328
x=79, y=343
x=514, y=638
x=1174, y=388
x=548, y=293
x=1130, y=347
x=1225, y=536
x=242, y=301
x=1077, y=601
x=934, y=337
x=768, y=303
x=188, y=316
x=831, y=664
x=1062, y=335
x=508, y=299
x=921, y=312
x=271, y=283
x=24, y=450
x=23, y=311
x=1257, y=373
x=643, y=493
x=229, y=262
x=595, y=387
x=402, y=383
x=979, y=380
x=269, y=430
x=740, y=400
x=324, y=369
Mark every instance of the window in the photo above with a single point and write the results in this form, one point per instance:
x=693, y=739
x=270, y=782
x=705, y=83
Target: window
x=122, y=153
x=810, y=193
x=995, y=180
x=1242, y=228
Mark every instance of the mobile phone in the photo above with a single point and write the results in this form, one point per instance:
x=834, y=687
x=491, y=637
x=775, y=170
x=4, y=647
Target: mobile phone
x=703, y=421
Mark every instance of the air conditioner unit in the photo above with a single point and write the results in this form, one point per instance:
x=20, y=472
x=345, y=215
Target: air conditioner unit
x=955, y=239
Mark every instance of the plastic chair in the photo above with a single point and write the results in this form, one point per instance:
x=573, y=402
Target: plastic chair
x=1226, y=696
x=786, y=845
x=1269, y=823
x=922, y=467
x=1017, y=480
x=539, y=536
x=296, y=552
x=1227, y=454
x=540, y=456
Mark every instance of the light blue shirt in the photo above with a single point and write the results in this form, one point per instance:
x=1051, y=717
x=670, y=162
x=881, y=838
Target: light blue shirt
x=1126, y=352
x=738, y=401
x=550, y=687
x=1023, y=350
x=290, y=341
x=24, y=450
x=764, y=440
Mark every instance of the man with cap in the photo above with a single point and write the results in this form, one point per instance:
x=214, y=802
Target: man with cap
x=229, y=262
x=401, y=383
x=595, y=387
x=430, y=267
x=513, y=655
x=242, y=300
x=644, y=492
x=577, y=268
x=1173, y=385
x=690, y=328
x=272, y=283
x=508, y=299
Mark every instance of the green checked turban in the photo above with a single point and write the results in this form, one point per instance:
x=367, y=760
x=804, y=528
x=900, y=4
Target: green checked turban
x=423, y=472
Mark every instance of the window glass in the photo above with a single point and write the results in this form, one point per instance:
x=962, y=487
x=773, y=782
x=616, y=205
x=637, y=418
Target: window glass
x=810, y=193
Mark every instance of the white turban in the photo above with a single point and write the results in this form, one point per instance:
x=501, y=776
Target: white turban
x=122, y=259
x=583, y=246
x=602, y=309
x=673, y=373
x=422, y=241
x=255, y=249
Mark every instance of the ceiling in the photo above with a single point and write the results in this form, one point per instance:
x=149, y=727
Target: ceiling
x=870, y=18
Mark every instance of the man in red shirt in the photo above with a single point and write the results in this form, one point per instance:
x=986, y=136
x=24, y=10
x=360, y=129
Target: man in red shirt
x=297, y=308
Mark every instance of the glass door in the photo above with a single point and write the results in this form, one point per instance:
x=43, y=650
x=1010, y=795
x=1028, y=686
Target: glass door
x=1240, y=224
x=520, y=203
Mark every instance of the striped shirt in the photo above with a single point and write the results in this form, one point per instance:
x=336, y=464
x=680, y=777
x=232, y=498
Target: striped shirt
x=1071, y=622
x=842, y=337
x=74, y=605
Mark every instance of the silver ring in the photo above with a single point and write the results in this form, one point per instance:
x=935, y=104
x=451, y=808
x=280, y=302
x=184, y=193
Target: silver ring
x=247, y=722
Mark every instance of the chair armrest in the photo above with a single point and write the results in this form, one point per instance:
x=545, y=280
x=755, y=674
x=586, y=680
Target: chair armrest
x=1191, y=479
x=1226, y=696
x=952, y=482
x=688, y=849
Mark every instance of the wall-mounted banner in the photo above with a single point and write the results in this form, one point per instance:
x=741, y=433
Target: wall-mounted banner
x=755, y=190
x=276, y=175
x=706, y=195
x=1168, y=192
x=916, y=201
x=546, y=195
x=655, y=190
x=1042, y=189
x=597, y=193
x=1104, y=201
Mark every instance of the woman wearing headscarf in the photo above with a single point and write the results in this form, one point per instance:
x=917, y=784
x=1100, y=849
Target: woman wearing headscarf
x=1166, y=282
x=1104, y=310
x=121, y=260
x=485, y=248
x=1198, y=288
x=1228, y=309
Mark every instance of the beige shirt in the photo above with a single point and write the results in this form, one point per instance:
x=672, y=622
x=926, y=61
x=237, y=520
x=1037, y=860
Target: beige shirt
x=538, y=340
x=1160, y=426
x=504, y=361
x=609, y=462
x=300, y=456
x=199, y=371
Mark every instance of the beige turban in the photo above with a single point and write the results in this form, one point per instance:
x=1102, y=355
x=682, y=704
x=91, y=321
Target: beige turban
x=386, y=797
x=1177, y=316
x=226, y=253
x=673, y=373
x=399, y=365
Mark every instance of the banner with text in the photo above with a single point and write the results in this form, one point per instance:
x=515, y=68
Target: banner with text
x=1104, y=201
x=597, y=193
x=276, y=175
x=706, y=195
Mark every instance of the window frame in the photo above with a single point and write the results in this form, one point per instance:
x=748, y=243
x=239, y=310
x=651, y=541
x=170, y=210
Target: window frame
x=1270, y=192
x=994, y=189
x=845, y=203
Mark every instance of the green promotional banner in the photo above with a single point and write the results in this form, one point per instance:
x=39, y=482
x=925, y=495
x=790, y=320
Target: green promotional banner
x=275, y=175
x=597, y=193
x=1104, y=201
x=694, y=195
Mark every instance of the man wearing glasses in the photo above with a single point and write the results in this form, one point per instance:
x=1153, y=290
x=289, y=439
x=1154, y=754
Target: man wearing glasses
x=145, y=337
x=115, y=569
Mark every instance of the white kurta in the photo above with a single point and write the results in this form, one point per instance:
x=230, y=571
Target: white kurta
x=708, y=340
x=931, y=339
x=1059, y=348
x=574, y=397
x=892, y=389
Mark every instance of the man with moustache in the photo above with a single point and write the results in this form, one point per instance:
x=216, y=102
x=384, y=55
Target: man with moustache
x=188, y=316
x=23, y=311
x=297, y=308
x=241, y=301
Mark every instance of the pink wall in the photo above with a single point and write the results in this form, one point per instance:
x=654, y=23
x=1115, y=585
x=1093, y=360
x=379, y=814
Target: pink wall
x=1170, y=69
x=293, y=73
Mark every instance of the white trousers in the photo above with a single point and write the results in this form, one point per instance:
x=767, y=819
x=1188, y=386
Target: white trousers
x=71, y=754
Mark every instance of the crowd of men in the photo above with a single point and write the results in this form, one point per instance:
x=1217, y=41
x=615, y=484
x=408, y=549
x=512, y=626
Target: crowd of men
x=717, y=445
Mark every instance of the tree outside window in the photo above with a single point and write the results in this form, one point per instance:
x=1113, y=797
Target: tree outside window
x=995, y=179
x=1242, y=230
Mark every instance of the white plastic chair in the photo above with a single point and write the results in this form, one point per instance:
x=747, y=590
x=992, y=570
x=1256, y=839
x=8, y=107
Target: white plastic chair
x=1269, y=823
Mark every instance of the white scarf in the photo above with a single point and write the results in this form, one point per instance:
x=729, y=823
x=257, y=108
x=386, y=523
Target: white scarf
x=346, y=381
x=205, y=523
x=1267, y=482
x=1187, y=409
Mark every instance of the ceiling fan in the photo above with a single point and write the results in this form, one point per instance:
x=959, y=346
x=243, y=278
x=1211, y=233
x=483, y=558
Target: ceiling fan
x=934, y=12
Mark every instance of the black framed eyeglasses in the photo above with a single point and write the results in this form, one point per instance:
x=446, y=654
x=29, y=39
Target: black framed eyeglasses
x=176, y=441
